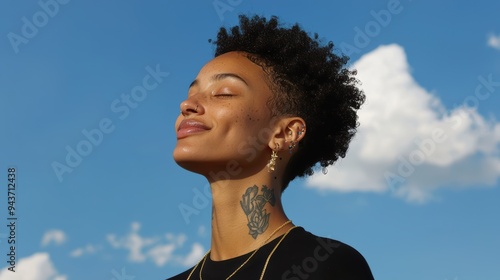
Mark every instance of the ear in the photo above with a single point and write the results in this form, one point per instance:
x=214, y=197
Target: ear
x=287, y=133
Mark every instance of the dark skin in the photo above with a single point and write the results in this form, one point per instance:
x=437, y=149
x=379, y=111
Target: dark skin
x=227, y=134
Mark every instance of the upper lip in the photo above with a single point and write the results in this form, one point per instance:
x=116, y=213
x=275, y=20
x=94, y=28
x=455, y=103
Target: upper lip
x=187, y=123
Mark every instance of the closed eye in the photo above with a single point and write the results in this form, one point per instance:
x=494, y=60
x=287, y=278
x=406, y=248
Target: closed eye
x=223, y=95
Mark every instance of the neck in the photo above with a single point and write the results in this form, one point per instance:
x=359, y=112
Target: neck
x=244, y=215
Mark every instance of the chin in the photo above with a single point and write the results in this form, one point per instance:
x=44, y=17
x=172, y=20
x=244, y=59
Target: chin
x=184, y=160
x=190, y=162
x=204, y=169
x=188, y=165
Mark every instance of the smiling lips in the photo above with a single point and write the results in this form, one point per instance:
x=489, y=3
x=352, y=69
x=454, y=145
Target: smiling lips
x=189, y=127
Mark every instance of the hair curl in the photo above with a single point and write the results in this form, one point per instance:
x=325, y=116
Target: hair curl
x=308, y=80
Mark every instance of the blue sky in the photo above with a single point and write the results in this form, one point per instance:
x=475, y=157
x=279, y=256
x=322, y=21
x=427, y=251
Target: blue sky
x=66, y=72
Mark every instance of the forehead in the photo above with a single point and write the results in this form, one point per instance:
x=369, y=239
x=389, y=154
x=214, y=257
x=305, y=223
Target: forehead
x=233, y=62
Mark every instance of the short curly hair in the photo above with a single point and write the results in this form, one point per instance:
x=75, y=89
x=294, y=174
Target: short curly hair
x=307, y=80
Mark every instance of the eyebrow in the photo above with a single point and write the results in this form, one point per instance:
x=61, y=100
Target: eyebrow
x=221, y=76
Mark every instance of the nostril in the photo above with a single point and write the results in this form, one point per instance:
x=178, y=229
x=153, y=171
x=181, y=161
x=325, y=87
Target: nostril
x=188, y=108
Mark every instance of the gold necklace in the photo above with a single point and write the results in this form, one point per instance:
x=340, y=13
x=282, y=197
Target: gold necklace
x=272, y=252
x=202, y=261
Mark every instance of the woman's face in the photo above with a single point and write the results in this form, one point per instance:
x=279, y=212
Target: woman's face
x=224, y=122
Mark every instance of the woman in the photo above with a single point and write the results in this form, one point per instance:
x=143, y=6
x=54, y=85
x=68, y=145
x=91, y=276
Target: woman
x=273, y=103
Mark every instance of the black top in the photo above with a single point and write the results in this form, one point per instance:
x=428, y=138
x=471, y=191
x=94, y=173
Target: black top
x=301, y=255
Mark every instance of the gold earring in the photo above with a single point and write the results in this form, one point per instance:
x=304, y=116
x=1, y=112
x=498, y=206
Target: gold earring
x=272, y=162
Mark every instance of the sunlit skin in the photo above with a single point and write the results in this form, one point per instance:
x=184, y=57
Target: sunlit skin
x=226, y=132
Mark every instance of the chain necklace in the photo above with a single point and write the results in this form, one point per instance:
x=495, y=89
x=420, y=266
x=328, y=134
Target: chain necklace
x=248, y=259
x=272, y=252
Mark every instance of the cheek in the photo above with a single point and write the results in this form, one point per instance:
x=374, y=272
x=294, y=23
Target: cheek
x=253, y=112
x=244, y=122
x=252, y=119
x=256, y=124
x=253, y=116
x=241, y=116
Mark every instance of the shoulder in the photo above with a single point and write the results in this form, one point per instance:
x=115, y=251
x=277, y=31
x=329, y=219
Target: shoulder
x=325, y=258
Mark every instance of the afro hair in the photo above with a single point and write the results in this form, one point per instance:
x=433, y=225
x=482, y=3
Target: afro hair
x=307, y=80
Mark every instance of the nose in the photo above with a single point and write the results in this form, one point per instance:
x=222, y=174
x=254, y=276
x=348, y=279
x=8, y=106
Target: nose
x=190, y=106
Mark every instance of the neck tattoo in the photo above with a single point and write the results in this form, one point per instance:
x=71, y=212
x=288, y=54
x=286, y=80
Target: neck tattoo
x=253, y=207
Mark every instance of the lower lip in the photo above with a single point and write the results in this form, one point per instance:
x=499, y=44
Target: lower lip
x=185, y=132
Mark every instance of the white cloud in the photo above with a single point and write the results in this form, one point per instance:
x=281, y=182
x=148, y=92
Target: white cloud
x=88, y=249
x=161, y=254
x=408, y=143
x=133, y=242
x=35, y=267
x=197, y=252
x=54, y=236
x=156, y=249
x=494, y=41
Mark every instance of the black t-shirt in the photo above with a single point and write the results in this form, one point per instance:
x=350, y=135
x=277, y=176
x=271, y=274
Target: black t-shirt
x=301, y=255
